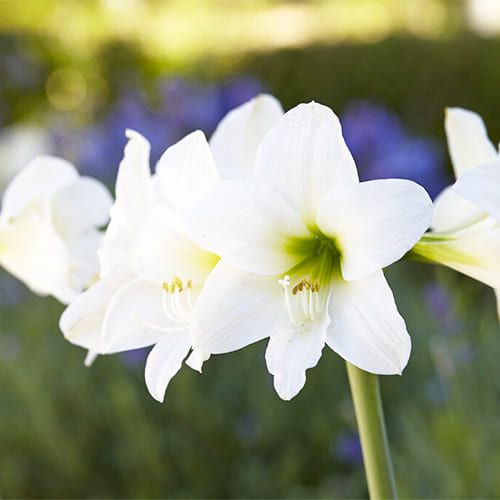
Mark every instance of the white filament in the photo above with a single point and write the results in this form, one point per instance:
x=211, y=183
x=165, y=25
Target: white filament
x=302, y=302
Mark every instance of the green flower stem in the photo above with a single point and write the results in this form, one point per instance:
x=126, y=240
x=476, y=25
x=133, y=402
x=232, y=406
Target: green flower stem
x=370, y=418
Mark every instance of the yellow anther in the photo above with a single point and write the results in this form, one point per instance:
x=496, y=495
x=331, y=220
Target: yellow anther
x=176, y=284
x=306, y=284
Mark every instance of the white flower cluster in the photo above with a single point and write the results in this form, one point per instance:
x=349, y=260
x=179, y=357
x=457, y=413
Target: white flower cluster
x=263, y=232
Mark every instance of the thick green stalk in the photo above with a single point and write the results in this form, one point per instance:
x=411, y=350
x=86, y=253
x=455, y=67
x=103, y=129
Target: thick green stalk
x=370, y=418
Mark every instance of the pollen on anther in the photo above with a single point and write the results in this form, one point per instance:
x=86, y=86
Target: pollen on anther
x=177, y=282
x=306, y=284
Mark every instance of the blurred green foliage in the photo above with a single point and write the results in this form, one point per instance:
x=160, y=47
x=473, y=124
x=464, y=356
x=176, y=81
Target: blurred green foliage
x=416, y=77
x=69, y=431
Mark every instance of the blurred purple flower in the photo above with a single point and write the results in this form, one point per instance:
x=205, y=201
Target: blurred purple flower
x=368, y=127
x=383, y=148
x=189, y=105
x=134, y=359
x=418, y=159
x=237, y=91
x=183, y=106
x=347, y=449
x=439, y=304
x=12, y=291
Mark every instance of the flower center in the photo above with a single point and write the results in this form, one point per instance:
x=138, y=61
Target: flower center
x=177, y=301
x=305, y=302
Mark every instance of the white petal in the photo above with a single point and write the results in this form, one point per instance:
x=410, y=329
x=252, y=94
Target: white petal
x=234, y=310
x=468, y=140
x=135, y=317
x=235, y=141
x=81, y=322
x=84, y=262
x=254, y=229
x=481, y=186
x=473, y=250
x=133, y=199
x=79, y=206
x=196, y=360
x=39, y=180
x=118, y=243
x=367, y=329
x=133, y=181
x=185, y=168
x=163, y=252
x=304, y=156
x=497, y=295
x=19, y=144
x=35, y=254
x=452, y=212
x=164, y=361
x=375, y=223
x=290, y=353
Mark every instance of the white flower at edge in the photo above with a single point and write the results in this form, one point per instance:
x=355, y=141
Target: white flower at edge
x=151, y=271
x=49, y=227
x=81, y=322
x=19, y=144
x=466, y=223
x=302, y=254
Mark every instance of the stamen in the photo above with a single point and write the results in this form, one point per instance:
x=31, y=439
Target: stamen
x=188, y=296
x=311, y=306
x=177, y=311
x=165, y=307
x=285, y=283
x=177, y=282
x=303, y=303
x=180, y=310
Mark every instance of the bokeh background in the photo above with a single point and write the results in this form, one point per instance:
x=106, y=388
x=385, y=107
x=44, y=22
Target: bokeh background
x=74, y=75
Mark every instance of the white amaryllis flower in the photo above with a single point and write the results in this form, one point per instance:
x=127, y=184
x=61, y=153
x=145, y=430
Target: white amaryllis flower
x=466, y=225
x=302, y=254
x=19, y=144
x=152, y=272
x=49, y=227
x=81, y=322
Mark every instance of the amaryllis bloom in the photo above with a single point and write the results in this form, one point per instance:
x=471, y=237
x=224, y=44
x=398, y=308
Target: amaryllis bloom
x=302, y=250
x=152, y=271
x=49, y=227
x=82, y=321
x=466, y=225
x=19, y=144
